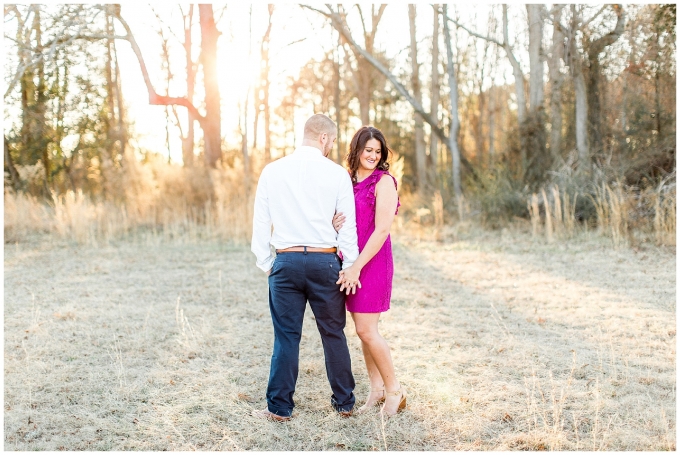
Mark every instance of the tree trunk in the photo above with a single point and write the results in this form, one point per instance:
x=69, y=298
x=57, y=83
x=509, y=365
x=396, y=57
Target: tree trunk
x=212, y=133
x=14, y=179
x=593, y=75
x=110, y=90
x=534, y=13
x=492, y=126
x=581, y=101
x=244, y=143
x=419, y=133
x=478, y=123
x=38, y=133
x=454, y=126
x=188, y=141
x=537, y=161
x=516, y=71
x=122, y=131
x=265, y=100
x=243, y=125
x=434, y=92
x=581, y=121
x=339, y=149
x=168, y=78
x=657, y=88
x=556, y=81
x=262, y=91
x=27, y=86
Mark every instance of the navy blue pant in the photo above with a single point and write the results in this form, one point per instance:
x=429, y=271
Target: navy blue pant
x=296, y=278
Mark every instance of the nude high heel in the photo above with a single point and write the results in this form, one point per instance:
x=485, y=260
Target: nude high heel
x=365, y=407
x=402, y=404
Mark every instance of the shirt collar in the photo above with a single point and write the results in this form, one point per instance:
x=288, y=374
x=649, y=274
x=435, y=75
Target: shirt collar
x=308, y=150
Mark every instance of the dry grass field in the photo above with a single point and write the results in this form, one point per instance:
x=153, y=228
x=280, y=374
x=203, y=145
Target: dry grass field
x=503, y=342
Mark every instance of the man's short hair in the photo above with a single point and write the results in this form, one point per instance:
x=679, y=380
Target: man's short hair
x=319, y=124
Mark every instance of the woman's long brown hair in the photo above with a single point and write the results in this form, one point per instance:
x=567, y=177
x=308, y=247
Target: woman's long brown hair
x=356, y=147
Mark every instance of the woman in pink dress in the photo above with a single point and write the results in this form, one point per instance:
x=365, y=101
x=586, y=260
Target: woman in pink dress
x=376, y=200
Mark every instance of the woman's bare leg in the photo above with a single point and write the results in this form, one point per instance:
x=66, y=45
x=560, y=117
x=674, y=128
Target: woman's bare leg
x=377, y=356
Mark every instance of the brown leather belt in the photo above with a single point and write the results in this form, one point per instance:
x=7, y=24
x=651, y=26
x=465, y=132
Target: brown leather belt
x=307, y=249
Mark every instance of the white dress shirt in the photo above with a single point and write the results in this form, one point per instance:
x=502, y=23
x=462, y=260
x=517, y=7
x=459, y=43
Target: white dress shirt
x=298, y=195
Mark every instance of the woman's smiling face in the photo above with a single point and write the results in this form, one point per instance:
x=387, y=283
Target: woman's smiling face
x=370, y=156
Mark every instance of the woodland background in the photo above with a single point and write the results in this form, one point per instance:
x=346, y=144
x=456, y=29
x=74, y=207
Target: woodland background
x=559, y=114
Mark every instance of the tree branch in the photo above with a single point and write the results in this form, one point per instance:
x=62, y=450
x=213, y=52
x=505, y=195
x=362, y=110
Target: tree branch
x=155, y=98
x=586, y=23
x=363, y=22
x=597, y=46
x=377, y=17
x=475, y=34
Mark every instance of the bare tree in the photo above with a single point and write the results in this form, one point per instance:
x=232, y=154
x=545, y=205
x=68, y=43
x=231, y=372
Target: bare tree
x=535, y=159
x=243, y=118
x=454, y=126
x=580, y=93
x=535, y=15
x=15, y=180
x=339, y=149
x=188, y=139
x=593, y=75
x=419, y=133
x=434, y=90
x=211, y=123
x=262, y=98
x=556, y=82
x=586, y=86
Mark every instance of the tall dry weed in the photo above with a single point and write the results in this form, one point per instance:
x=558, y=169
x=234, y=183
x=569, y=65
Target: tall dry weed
x=557, y=211
x=664, y=217
x=569, y=219
x=535, y=214
x=24, y=214
x=618, y=221
x=548, y=217
x=153, y=198
x=629, y=214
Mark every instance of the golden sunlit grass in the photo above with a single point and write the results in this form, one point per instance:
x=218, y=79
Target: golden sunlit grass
x=623, y=215
x=161, y=202
x=503, y=343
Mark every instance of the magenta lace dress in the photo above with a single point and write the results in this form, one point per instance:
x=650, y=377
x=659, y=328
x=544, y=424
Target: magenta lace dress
x=376, y=276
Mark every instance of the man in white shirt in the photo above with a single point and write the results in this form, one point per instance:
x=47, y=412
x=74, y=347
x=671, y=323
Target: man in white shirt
x=298, y=195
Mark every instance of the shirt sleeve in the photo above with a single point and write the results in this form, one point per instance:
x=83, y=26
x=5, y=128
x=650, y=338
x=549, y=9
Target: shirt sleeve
x=347, y=237
x=262, y=226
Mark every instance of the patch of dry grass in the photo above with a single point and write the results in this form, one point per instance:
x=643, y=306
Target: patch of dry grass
x=503, y=344
x=625, y=215
x=152, y=200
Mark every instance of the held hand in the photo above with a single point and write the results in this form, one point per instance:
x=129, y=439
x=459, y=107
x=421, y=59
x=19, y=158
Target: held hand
x=348, y=279
x=354, y=288
x=268, y=272
x=338, y=221
x=349, y=287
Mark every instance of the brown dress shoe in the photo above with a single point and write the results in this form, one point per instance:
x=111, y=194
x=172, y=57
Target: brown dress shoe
x=266, y=414
x=345, y=413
